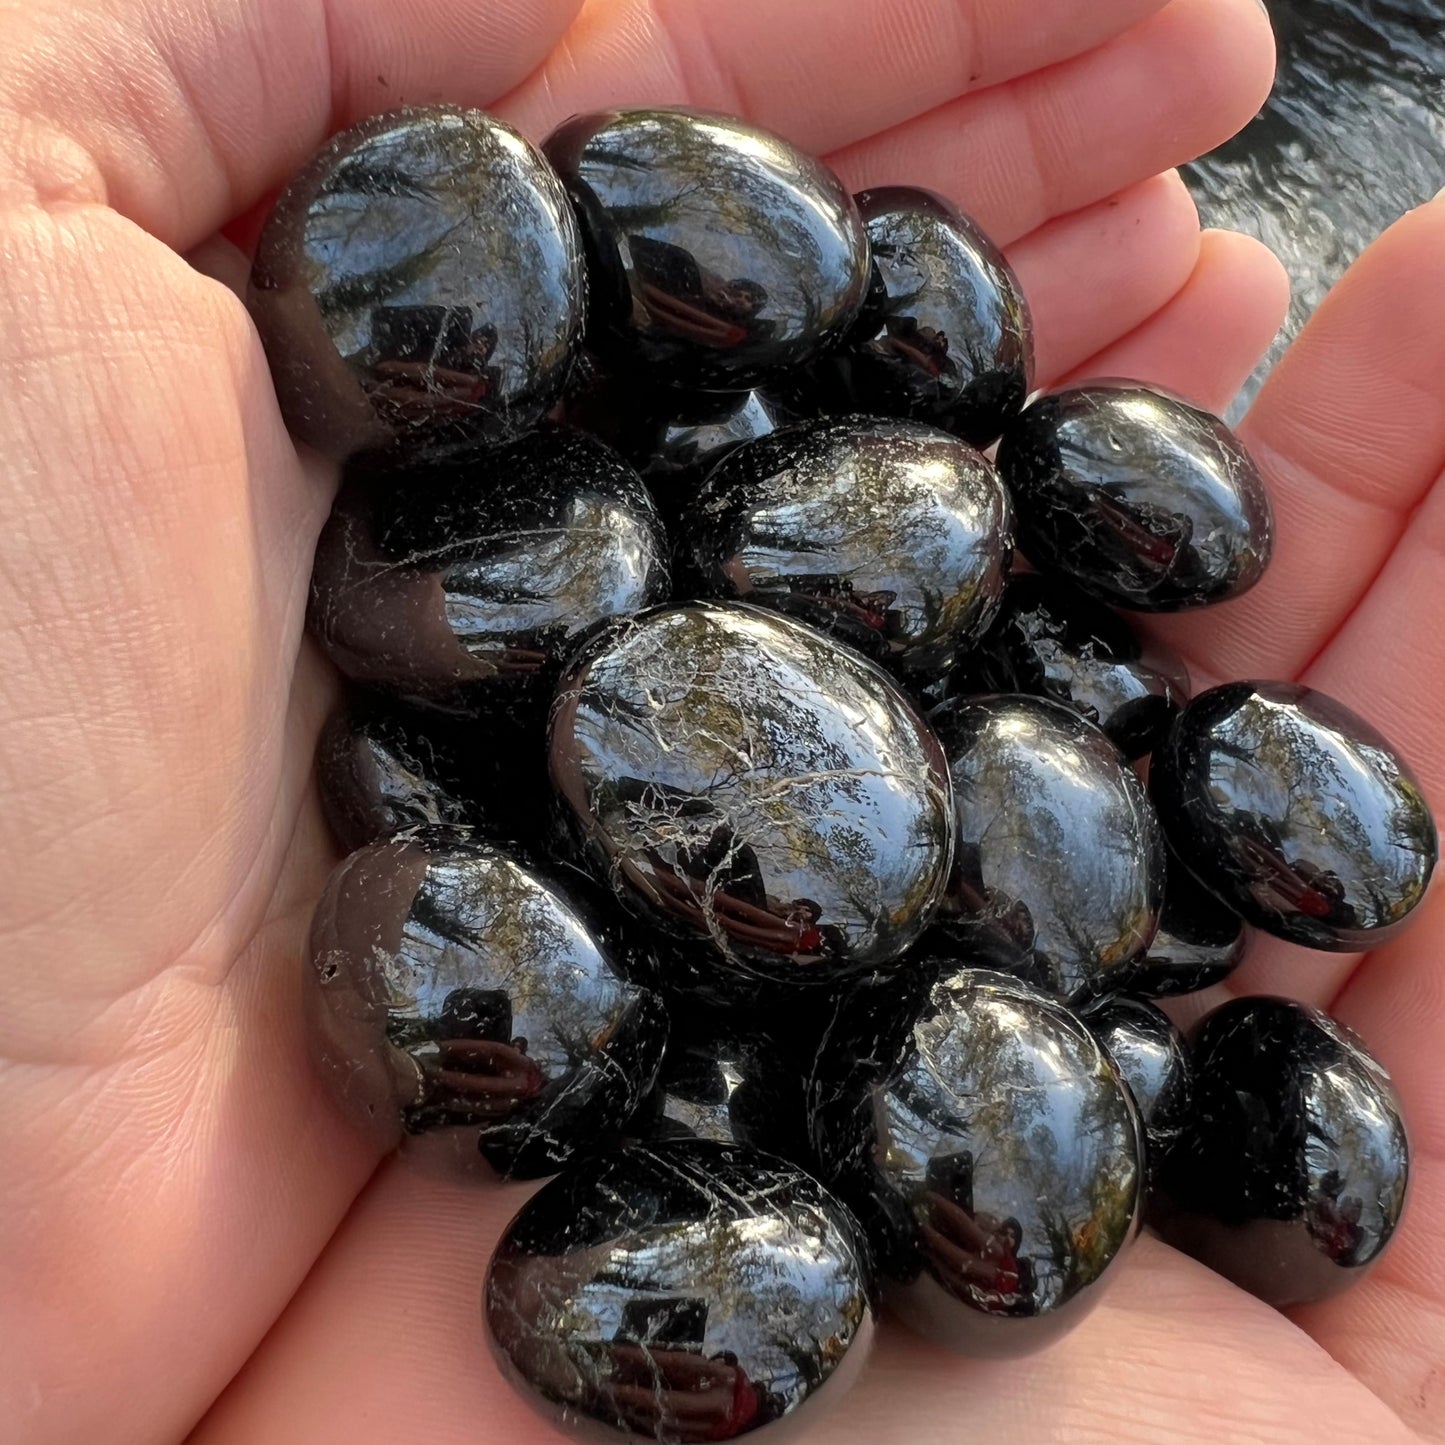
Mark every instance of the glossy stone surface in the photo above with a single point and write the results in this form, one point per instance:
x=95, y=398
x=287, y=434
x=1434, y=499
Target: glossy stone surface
x=681, y=1291
x=419, y=282
x=999, y=1173
x=457, y=999
x=1052, y=640
x=1153, y=1060
x=1296, y=813
x=1141, y=498
x=739, y=778
x=1059, y=870
x=1200, y=942
x=893, y=536
x=718, y=255
x=1292, y=1177
x=469, y=581
x=946, y=336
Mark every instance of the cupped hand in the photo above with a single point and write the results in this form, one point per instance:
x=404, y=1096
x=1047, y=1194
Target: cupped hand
x=190, y=1240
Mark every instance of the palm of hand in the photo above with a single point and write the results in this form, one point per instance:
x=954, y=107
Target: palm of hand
x=172, y=1172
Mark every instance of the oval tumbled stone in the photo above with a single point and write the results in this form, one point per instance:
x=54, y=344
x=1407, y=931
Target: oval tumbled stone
x=739, y=777
x=1297, y=813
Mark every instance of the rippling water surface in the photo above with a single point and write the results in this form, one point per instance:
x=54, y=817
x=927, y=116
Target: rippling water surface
x=1353, y=135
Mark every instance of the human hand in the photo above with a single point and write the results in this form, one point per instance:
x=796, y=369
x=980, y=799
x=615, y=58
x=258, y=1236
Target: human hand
x=172, y=1174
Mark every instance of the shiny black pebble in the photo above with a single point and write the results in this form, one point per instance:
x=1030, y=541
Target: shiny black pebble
x=420, y=281
x=1144, y=500
x=680, y=1291
x=469, y=581
x=1055, y=641
x=1292, y=1177
x=945, y=336
x=1059, y=867
x=998, y=1169
x=1200, y=942
x=456, y=997
x=893, y=536
x=739, y=778
x=718, y=255
x=1153, y=1060
x=1296, y=813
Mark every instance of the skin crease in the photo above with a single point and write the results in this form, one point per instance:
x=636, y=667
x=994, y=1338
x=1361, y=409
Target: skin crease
x=172, y=1176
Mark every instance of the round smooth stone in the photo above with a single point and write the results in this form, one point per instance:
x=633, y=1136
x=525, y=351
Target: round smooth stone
x=1139, y=497
x=680, y=1290
x=945, y=337
x=739, y=778
x=1292, y=1177
x=384, y=770
x=1051, y=640
x=1059, y=862
x=1153, y=1061
x=1200, y=942
x=718, y=255
x=1297, y=813
x=1000, y=1171
x=419, y=282
x=893, y=536
x=458, y=1001
x=469, y=582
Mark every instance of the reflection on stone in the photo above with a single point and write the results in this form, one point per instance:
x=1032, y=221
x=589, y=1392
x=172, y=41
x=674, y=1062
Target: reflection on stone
x=893, y=536
x=1051, y=640
x=1059, y=871
x=454, y=992
x=468, y=581
x=682, y=1290
x=419, y=283
x=719, y=255
x=1291, y=1179
x=1000, y=1172
x=739, y=778
x=1140, y=498
x=945, y=336
x=1296, y=813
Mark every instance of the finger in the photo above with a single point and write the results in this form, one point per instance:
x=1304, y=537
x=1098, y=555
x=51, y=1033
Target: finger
x=822, y=72
x=388, y=1329
x=1350, y=432
x=1388, y=1330
x=1057, y=140
x=1096, y=275
x=181, y=113
x=1211, y=335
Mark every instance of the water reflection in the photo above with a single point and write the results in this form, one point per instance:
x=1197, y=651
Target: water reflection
x=684, y=1290
x=737, y=777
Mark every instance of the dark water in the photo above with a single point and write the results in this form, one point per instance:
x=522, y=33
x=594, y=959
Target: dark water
x=1353, y=136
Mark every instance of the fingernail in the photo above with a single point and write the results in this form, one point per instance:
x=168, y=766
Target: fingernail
x=1438, y=196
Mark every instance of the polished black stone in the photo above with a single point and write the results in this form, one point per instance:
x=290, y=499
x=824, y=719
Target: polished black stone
x=420, y=281
x=997, y=1169
x=1141, y=498
x=469, y=581
x=893, y=536
x=1200, y=942
x=718, y=255
x=681, y=1291
x=1292, y=1176
x=739, y=778
x=1059, y=861
x=1296, y=813
x=457, y=1000
x=381, y=770
x=945, y=336
x=1153, y=1060
x=1053, y=640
